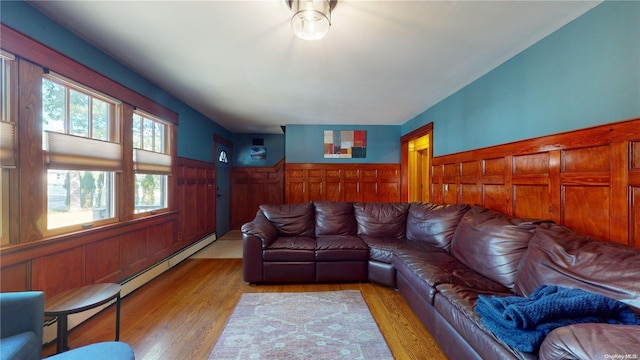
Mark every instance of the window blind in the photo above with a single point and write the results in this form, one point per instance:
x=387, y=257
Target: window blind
x=7, y=145
x=150, y=162
x=70, y=152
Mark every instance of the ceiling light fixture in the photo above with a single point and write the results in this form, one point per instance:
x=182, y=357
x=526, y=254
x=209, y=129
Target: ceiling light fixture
x=311, y=18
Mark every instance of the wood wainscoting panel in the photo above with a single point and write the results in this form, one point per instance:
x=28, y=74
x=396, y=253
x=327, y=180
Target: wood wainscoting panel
x=496, y=197
x=635, y=217
x=195, y=199
x=59, y=272
x=104, y=260
x=531, y=201
x=437, y=188
x=586, y=209
x=16, y=277
x=342, y=182
x=160, y=240
x=587, y=179
x=134, y=251
x=254, y=186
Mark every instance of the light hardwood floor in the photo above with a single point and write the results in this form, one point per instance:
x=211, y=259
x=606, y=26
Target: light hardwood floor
x=180, y=314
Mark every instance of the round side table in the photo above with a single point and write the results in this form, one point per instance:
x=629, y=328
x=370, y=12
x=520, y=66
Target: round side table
x=79, y=300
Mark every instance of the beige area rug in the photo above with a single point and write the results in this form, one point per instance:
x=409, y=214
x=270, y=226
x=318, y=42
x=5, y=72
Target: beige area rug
x=228, y=246
x=307, y=325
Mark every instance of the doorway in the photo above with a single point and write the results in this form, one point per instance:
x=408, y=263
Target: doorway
x=222, y=149
x=416, y=164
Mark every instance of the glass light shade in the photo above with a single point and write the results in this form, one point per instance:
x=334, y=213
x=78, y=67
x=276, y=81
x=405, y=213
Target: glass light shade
x=311, y=18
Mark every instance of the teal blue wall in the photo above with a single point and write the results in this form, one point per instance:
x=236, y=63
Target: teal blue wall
x=585, y=74
x=242, y=144
x=305, y=144
x=195, y=131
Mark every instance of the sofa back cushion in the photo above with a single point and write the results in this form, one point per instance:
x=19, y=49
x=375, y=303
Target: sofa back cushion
x=492, y=243
x=381, y=219
x=434, y=223
x=335, y=218
x=291, y=219
x=560, y=256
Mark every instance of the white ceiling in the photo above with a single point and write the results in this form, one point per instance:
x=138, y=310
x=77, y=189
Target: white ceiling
x=382, y=63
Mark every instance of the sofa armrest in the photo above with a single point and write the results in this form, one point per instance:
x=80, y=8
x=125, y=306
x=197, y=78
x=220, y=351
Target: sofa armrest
x=22, y=312
x=262, y=228
x=592, y=341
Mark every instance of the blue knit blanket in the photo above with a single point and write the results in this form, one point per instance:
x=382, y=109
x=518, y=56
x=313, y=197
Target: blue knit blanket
x=524, y=322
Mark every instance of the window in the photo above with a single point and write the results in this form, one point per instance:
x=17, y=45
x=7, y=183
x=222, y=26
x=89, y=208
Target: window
x=83, y=153
x=223, y=158
x=152, y=162
x=7, y=141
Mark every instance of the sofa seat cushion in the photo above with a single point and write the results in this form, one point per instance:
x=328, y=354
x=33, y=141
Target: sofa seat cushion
x=425, y=270
x=291, y=248
x=560, y=256
x=112, y=350
x=20, y=346
x=381, y=248
x=291, y=219
x=492, y=243
x=337, y=247
x=456, y=304
x=434, y=223
x=335, y=218
x=437, y=267
x=381, y=219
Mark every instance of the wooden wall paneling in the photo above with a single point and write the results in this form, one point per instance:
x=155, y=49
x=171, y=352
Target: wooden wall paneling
x=254, y=186
x=189, y=227
x=258, y=195
x=342, y=182
x=350, y=190
x=16, y=277
x=436, y=184
x=103, y=260
x=634, y=236
x=196, y=201
x=240, y=195
x=586, y=179
x=274, y=189
x=159, y=241
x=450, y=174
x=295, y=183
x=555, y=187
x=314, y=186
x=586, y=193
x=530, y=180
x=134, y=252
x=496, y=187
x=369, y=185
x=389, y=184
x=634, y=189
x=200, y=204
x=586, y=209
x=470, y=183
x=59, y=272
x=620, y=192
x=333, y=179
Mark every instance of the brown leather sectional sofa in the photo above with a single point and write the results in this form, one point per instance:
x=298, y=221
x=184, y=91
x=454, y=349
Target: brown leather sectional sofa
x=441, y=258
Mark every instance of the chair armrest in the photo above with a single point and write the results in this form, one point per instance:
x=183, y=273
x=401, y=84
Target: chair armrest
x=21, y=312
x=591, y=341
x=262, y=228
